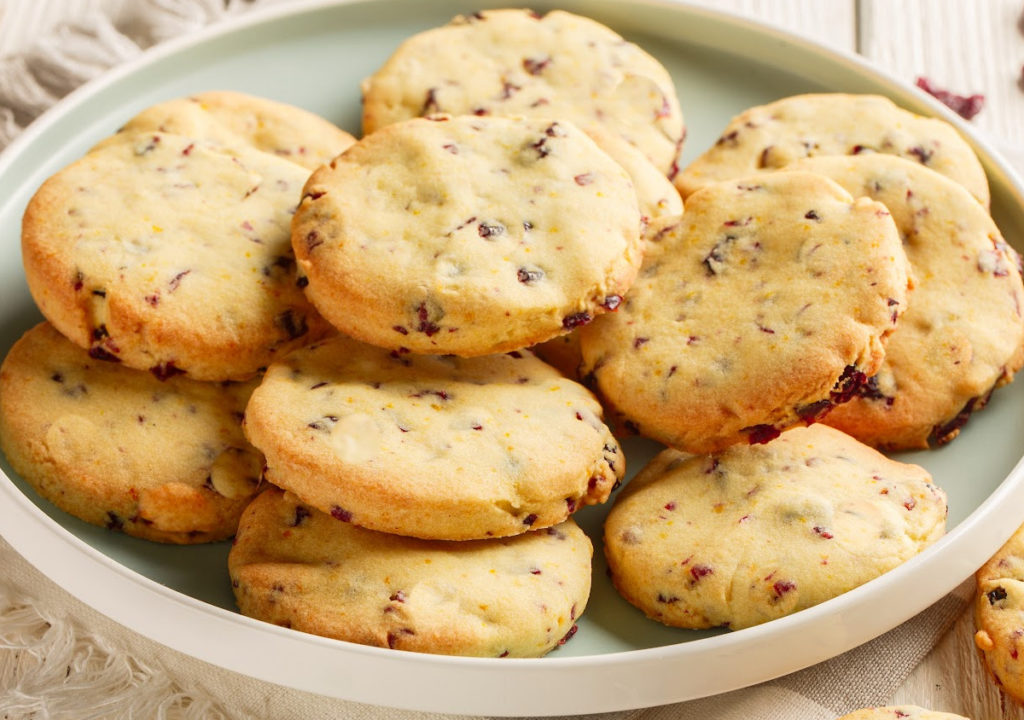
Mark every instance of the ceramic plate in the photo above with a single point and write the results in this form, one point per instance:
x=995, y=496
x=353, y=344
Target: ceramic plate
x=314, y=55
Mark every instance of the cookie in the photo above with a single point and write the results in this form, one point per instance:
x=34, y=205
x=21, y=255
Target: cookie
x=757, y=532
x=999, y=615
x=771, y=136
x=963, y=333
x=295, y=566
x=171, y=254
x=764, y=305
x=436, y=447
x=516, y=62
x=237, y=119
x=164, y=461
x=467, y=235
x=900, y=712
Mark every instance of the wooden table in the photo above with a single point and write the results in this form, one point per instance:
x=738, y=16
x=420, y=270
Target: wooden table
x=970, y=46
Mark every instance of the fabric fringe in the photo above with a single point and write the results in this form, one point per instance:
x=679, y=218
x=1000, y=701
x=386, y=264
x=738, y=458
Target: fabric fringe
x=52, y=669
x=78, y=51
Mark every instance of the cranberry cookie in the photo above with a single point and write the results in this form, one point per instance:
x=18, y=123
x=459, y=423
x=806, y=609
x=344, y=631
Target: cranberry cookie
x=963, y=334
x=468, y=235
x=116, y=447
x=234, y=118
x=766, y=303
x=900, y=712
x=771, y=136
x=295, y=566
x=999, y=615
x=516, y=62
x=436, y=447
x=760, y=531
x=171, y=254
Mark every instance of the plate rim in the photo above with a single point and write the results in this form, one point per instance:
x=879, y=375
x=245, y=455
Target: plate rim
x=23, y=512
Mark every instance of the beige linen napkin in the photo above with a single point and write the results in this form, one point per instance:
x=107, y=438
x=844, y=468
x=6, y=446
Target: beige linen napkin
x=59, y=659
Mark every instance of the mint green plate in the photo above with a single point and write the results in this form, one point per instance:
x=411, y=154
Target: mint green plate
x=314, y=55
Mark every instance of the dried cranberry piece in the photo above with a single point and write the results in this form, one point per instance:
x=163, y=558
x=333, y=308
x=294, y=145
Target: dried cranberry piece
x=301, y=281
x=530, y=519
x=426, y=326
x=919, y=152
x=611, y=302
x=292, y=323
x=966, y=106
x=576, y=320
x=668, y=599
x=822, y=532
x=165, y=370
x=782, y=587
x=313, y=240
x=697, y=572
x=584, y=178
x=815, y=411
x=942, y=434
x=487, y=230
x=529, y=277
x=78, y=282
x=339, y=513
x=114, y=521
x=430, y=104
x=848, y=385
x=568, y=635
x=761, y=434
x=536, y=66
x=98, y=353
x=301, y=513
x=996, y=595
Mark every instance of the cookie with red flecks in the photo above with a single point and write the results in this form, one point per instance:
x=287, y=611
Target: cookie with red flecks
x=234, y=118
x=517, y=63
x=116, y=447
x=761, y=531
x=468, y=235
x=171, y=254
x=295, y=566
x=963, y=333
x=769, y=137
x=764, y=305
x=436, y=447
x=900, y=712
x=999, y=615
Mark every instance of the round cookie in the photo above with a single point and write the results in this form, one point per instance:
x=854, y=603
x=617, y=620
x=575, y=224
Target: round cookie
x=467, y=235
x=766, y=303
x=900, y=712
x=771, y=136
x=435, y=447
x=963, y=333
x=164, y=461
x=762, y=531
x=295, y=566
x=999, y=615
x=236, y=119
x=516, y=62
x=171, y=254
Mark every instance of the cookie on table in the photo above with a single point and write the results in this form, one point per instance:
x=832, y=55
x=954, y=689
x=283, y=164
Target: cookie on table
x=761, y=531
x=900, y=712
x=764, y=305
x=516, y=62
x=963, y=333
x=172, y=255
x=467, y=235
x=437, y=447
x=165, y=461
x=234, y=118
x=295, y=566
x=657, y=197
x=999, y=615
x=771, y=136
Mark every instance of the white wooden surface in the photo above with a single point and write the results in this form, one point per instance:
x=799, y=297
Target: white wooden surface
x=970, y=46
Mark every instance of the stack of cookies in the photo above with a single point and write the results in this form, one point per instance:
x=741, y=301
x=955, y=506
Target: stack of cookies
x=162, y=262
x=367, y=312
